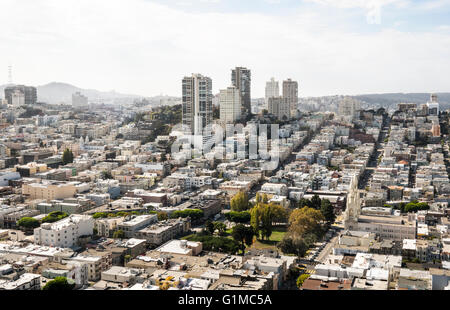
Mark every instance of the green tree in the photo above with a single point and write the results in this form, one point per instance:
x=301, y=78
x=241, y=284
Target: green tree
x=304, y=203
x=243, y=235
x=28, y=223
x=238, y=217
x=258, y=198
x=220, y=227
x=216, y=244
x=291, y=244
x=162, y=216
x=119, y=234
x=306, y=220
x=262, y=217
x=194, y=214
x=316, y=202
x=240, y=202
x=301, y=279
x=59, y=284
x=99, y=215
x=127, y=258
x=106, y=175
x=327, y=211
x=54, y=217
x=67, y=157
x=209, y=227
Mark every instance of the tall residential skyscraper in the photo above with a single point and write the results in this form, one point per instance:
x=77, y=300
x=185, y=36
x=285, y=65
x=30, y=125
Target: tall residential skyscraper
x=79, y=100
x=272, y=90
x=348, y=107
x=17, y=98
x=230, y=105
x=290, y=92
x=29, y=92
x=197, y=105
x=241, y=78
x=279, y=106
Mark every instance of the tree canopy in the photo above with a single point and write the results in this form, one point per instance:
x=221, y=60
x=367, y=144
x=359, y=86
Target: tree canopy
x=327, y=211
x=28, y=222
x=243, y=234
x=301, y=279
x=67, y=157
x=238, y=217
x=306, y=220
x=240, y=202
x=194, y=214
x=54, y=217
x=264, y=215
x=119, y=234
x=59, y=284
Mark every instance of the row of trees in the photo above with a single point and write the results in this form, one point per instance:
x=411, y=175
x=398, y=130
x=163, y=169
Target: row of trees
x=263, y=216
x=54, y=217
x=324, y=205
x=194, y=214
x=413, y=206
x=238, y=217
x=99, y=215
x=29, y=223
x=216, y=243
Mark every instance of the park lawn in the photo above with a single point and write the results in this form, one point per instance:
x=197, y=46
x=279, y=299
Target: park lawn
x=277, y=235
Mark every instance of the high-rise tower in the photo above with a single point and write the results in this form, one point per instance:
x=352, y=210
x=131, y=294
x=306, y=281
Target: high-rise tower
x=197, y=105
x=241, y=78
x=290, y=93
x=272, y=90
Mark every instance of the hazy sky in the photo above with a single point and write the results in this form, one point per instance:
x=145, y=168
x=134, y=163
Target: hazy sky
x=145, y=47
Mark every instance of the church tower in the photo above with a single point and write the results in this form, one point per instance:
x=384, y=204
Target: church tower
x=353, y=209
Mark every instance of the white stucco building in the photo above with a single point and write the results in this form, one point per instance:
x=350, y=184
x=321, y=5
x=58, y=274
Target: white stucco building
x=64, y=233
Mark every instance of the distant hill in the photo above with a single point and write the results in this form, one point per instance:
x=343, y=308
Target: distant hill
x=56, y=93
x=395, y=98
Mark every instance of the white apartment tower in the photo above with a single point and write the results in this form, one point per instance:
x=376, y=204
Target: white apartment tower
x=79, y=100
x=17, y=99
x=197, y=105
x=230, y=105
x=349, y=107
x=272, y=90
x=433, y=105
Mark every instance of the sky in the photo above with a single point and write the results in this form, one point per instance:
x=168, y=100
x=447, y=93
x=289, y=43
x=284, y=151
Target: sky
x=146, y=47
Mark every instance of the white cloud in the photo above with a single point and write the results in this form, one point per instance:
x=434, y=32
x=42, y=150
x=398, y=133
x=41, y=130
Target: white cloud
x=373, y=8
x=141, y=47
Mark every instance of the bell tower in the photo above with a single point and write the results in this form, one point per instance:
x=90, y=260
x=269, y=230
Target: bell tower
x=353, y=209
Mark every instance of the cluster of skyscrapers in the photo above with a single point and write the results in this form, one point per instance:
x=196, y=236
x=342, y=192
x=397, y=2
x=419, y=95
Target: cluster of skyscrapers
x=19, y=95
x=234, y=101
x=283, y=107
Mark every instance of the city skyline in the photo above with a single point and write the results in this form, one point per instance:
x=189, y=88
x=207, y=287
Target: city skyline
x=399, y=45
